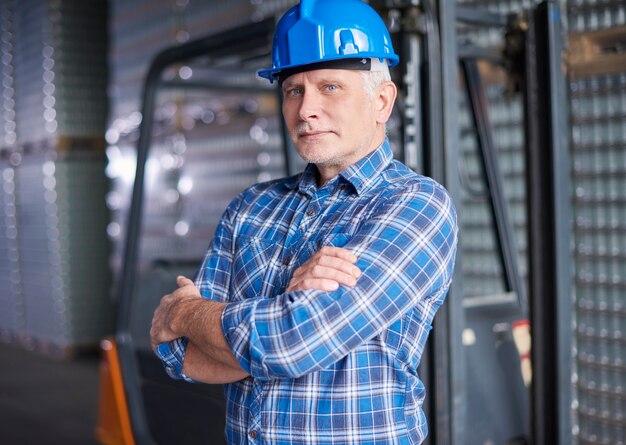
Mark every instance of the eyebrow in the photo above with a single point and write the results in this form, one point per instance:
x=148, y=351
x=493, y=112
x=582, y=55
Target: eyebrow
x=325, y=80
x=288, y=84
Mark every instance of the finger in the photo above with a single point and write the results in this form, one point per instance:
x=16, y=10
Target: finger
x=338, y=252
x=321, y=259
x=159, y=334
x=318, y=272
x=155, y=325
x=314, y=284
x=330, y=273
x=325, y=273
x=339, y=264
x=154, y=337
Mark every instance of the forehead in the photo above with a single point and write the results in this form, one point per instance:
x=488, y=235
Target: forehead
x=324, y=75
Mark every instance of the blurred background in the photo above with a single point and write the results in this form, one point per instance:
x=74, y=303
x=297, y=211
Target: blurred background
x=82, y=260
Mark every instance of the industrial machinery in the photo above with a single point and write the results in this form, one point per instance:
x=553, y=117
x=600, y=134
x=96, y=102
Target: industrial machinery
x=209, y=127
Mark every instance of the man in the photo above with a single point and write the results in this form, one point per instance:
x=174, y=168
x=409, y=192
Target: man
x=315, y=300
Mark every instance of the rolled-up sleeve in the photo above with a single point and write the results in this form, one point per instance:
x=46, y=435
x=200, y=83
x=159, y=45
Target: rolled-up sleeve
x=406, y=253
x=172, y=354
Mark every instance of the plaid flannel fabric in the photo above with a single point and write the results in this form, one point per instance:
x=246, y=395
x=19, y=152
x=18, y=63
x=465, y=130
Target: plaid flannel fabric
x=330, y=367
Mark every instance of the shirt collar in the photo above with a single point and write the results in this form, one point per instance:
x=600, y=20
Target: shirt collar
x=361, y=175
x=365, y=172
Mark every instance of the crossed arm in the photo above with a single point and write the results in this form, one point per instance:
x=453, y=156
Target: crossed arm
x=208, y=358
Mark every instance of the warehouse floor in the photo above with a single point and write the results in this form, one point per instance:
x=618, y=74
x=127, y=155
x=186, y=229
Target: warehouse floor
x=45, y=400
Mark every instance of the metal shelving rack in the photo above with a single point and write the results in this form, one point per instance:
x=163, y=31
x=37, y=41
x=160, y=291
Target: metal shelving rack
x=52, y=158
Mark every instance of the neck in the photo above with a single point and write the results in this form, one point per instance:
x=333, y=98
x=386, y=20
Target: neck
x=326, y=172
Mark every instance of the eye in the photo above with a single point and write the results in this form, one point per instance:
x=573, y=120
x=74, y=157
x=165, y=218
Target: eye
x=294, y=91
x=331, y=87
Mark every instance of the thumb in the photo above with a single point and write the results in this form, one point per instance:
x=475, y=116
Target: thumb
x=183, y=281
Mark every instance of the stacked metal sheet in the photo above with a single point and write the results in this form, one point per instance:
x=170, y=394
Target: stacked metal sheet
x=34, y=78
x=58, y=69
x=11, y=308
x=598, y=116
x=11, y=303
x=53, y=244
x=63, y=250
x=39, y=245
x=599, y=109
x=8, y=136
x=589, y=15
x=80, y=187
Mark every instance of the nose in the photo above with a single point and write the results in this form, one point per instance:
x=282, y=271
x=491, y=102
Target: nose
x=310, y=105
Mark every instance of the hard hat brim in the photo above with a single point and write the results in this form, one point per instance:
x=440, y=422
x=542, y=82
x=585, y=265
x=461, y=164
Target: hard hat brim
x=348, y=63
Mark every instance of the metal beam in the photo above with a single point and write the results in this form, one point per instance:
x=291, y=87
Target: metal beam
x=451, y=423
x=549, y=220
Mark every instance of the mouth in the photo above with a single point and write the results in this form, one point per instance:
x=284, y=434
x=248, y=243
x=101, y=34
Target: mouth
x=313, y=134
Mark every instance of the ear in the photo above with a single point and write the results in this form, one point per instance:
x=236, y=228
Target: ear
x=385, y=97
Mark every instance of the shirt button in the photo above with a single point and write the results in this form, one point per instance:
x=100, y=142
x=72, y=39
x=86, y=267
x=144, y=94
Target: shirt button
x=286, y=261
x=253, y=434
x=311, y=212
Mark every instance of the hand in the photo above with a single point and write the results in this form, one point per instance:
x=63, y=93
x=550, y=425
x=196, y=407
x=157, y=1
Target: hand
x=326, y=270
x=166, y=314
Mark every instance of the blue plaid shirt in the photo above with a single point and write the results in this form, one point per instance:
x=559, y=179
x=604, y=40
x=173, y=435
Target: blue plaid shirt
x=329, y=367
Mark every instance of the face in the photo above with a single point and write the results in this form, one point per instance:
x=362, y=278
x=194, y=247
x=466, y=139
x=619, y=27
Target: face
x=332, y=121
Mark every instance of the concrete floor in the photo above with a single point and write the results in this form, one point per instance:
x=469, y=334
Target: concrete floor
x=46, y=400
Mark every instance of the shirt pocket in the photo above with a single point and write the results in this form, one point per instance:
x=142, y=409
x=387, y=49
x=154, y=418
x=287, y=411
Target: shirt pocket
x=255, y=268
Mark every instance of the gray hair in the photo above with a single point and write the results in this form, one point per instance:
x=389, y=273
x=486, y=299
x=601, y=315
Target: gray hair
x=372, y=79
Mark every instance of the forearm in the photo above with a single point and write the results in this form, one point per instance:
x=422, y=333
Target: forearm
x=200, y=321
x=203, y=368
x=184, y=319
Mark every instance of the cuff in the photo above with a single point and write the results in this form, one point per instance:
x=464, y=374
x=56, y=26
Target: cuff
x=172, y=354
x=237, y=327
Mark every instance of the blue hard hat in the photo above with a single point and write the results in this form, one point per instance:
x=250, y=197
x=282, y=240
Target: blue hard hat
x=319, y=31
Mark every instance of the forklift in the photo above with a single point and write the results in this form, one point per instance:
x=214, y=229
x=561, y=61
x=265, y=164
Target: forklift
x=519, y=387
